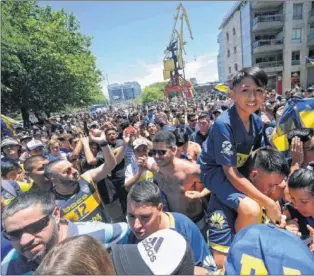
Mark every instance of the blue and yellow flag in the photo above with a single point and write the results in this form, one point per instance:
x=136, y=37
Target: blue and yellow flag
x=9, y=123
x=222, y=87
x=311, y=60
x=298, y=113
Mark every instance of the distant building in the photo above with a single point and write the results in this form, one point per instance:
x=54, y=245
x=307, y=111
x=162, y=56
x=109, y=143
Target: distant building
x=193, y=81
x=273, y=35
x=121, y=92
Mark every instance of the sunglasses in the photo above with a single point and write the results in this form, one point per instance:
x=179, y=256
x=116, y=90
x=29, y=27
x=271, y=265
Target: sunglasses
x=193, y=120
x=33, y=228
x=159, y=152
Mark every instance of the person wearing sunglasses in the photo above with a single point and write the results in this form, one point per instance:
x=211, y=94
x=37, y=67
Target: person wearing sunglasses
x=191, y=126
x=179, y=180
x=33, y=225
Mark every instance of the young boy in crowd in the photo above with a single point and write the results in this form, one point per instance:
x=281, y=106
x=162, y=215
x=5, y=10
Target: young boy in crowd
x=233, y=136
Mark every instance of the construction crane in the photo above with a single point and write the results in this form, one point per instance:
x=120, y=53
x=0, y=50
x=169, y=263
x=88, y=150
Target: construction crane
x=173, y=61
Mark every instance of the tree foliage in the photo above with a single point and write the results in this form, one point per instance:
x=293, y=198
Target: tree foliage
x=153, y=92
x=46, y=61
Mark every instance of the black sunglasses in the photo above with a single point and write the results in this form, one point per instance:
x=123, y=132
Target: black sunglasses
x=33, y=228
x=159, y=152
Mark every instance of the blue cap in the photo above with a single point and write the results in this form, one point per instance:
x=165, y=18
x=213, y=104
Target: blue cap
x=266, y=249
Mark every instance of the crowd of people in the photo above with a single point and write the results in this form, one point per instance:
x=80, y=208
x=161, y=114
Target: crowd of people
x=192, y=186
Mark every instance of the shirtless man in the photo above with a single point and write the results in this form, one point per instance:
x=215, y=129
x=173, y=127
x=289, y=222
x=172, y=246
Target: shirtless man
x=186, y=149
x=179, y=180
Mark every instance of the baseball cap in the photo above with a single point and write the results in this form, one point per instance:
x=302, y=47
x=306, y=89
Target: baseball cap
x=138, y=142
x=9, y=142
x=155, y=255
x=34, y=144
x=267, y=249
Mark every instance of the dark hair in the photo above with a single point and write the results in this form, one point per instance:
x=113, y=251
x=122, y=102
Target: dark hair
x=29, y=199
x=144, y=192
x=305, y=134
x=203, y=115
x=303, y=179
x=166, y=137
x=78, y=255
x=8, y=165
x=124, y=124
x=268, y=159
x=110, y=129
x=29, y=162
x=258, y=75
x=181, y=137
x=190, y=116
x=49, y=166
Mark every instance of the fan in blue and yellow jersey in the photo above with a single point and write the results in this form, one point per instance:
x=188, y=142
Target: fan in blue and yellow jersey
x=298, y=113
x=265, y=249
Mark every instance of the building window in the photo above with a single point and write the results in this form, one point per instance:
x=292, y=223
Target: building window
x=233, y=31
x=227, y=35
x=297, y=11
x=235, y=50
x=295, y=58
x=229, y=70
x=296, y=35
x=236, y=67
x=228, y=53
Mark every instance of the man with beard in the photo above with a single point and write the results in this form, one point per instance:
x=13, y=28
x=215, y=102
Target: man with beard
x=33, y=225
x=179, y=180
x=77, y=195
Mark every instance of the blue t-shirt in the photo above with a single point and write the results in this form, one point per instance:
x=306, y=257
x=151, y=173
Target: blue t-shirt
x=188, y=229
x=107, y=234
x=228, y=144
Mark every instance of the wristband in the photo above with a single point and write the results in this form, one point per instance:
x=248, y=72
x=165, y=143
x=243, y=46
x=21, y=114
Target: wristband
x=103, y=144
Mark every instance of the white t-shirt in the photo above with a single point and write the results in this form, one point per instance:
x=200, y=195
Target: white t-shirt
x=133, y=168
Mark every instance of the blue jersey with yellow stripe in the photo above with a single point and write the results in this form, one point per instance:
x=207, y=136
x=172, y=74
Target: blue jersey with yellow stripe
x=106, y=234
x=265, y=249
x=84, y=205
x=228, y=144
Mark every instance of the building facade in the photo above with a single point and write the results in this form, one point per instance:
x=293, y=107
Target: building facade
x=123, y=92
x=273, y=35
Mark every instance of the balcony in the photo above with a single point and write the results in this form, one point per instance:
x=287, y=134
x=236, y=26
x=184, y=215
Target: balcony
x=258, y=4
x=311, y=15
x=271, y=66
x=267, y=22
x=268, y=45
x=310, y=39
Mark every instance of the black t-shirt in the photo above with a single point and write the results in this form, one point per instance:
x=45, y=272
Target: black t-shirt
x=118, y=173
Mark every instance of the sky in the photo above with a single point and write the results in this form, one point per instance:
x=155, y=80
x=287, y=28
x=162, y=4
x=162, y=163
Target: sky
x=129, y=38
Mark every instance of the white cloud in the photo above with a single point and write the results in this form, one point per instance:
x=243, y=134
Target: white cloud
x=203, y=68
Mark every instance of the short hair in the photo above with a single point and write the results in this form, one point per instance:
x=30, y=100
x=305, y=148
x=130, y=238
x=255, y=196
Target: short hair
x=190, y=116
x=78, y=255
x=166, y=137
x=181, y=137
x=305, y=134
x=258, y=75
x=30, y=199
x=203, y=115
x=53, y=142
x=303, y=179
x=110, y=129
x=268, y=159
x=144, y=192
x=29, y=162
x=49, y=166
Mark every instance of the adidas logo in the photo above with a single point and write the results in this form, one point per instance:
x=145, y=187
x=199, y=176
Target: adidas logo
x=152, y=246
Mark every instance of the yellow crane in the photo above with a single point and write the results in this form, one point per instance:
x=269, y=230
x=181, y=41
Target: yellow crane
x=173, y=60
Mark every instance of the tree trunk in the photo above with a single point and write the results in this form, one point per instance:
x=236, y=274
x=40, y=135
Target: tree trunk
x=25, y=116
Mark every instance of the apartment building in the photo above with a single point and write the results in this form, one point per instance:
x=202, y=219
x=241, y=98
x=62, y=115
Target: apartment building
x=273, y=35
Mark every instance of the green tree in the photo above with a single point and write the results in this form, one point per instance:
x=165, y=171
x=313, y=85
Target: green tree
x=153, y=92
x=100, y=99
x=46, y=61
